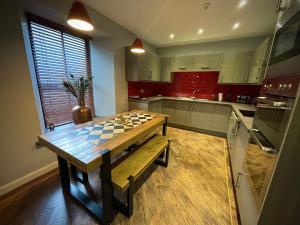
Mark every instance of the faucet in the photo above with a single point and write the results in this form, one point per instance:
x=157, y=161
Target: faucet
x=195, y=91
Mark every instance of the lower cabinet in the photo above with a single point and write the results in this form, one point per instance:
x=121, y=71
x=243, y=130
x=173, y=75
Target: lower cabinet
x=202, y=116
x=169, y=109
x=220, y=118
x=156, y=107
x=132, y=105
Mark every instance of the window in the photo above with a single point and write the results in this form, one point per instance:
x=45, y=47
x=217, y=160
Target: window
x=57, y=54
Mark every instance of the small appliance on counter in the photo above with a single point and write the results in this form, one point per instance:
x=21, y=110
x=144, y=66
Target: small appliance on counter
x=243, y=99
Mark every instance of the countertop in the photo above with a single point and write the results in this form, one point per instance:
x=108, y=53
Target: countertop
x=247, y=121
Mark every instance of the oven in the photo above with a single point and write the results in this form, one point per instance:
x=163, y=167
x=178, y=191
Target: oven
x=285, y=54
x=274, y=107
x=273, y=112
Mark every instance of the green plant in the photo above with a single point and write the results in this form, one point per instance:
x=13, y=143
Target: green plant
x=77, y=86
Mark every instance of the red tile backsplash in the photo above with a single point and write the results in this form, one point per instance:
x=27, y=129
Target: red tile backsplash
x=185, y=83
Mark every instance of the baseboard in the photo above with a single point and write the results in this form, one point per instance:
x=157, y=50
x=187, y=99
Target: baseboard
x=27, y=178
x=209, y=132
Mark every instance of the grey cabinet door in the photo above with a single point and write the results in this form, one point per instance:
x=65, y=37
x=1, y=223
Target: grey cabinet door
x=166, y=74
x=183, y=63
x=169, y=109
x=152, y=107
x=182, y=110
x=227, y=68
x=239, y=152
x=220, y=121
x=242, y=67
x=208, y=62
x=202, y=116
x=246, y=202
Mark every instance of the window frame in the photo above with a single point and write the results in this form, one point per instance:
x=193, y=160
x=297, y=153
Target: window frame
x=63, y=29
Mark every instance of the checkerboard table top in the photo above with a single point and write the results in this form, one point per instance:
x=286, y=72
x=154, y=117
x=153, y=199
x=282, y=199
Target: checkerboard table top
x=103, y=131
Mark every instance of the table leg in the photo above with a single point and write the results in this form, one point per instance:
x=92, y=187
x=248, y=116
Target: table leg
x=106, y=186
x=164, y=131
x=103, y=212
x=64, y=174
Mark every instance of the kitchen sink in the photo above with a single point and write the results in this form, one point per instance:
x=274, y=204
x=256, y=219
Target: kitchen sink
x=247, y=113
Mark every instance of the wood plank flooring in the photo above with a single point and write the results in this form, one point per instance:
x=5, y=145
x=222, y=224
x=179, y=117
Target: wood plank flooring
x=195, y=189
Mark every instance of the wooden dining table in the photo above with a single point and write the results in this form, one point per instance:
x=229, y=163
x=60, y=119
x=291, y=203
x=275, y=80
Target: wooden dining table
x=92, y=145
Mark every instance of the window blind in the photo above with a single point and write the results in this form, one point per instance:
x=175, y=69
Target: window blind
x=57, y=55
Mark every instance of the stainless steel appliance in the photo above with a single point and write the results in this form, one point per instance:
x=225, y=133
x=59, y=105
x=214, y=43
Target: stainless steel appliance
x=285, y=54
x=275, y=104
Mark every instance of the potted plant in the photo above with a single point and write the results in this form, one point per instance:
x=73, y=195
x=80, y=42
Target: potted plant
x=77, y=86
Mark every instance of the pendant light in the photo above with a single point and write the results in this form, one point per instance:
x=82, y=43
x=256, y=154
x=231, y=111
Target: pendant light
x=137, y=46
x=78, y=17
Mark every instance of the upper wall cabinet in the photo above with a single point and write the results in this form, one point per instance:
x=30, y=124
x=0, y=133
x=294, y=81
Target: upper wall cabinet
x=208, y=62
x=143, y=67
x=259, y=62
x=183, y=63
x=235, y=67
x=165, y=72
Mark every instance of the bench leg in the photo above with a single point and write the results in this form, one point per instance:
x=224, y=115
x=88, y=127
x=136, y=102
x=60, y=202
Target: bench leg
x=164, y=163
x=127, y=207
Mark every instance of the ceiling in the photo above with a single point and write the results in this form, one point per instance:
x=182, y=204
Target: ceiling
x=183, y=18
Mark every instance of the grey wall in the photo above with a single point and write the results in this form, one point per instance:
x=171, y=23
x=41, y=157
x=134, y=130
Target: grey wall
x=234, y=45
x=20, y=115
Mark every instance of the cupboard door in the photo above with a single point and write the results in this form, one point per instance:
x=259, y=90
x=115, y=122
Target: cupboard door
x=166, y=69
x=132, y=105
x=183, y=63
x=152, y=107
x=169, y=109
x=242, y=67
x=144, y=71
x=154, y=69
x=227, y=68
x=246, y=203
x=220, y=118
x=182, y=110
x=202, y=115
x=207, y=62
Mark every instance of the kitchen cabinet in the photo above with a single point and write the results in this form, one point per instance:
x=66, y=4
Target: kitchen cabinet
x=169, y=109
x=202, y=116
x=259, y=62
x=183, y=63
x=227, y=68
x=232, y=132
x=137, y=105
x=220, y=118
x=142, y=67
x=156, y=107
x=182, y=110
x=166, y=74
x=238, y=153
x=235, y=67
x=208, y=62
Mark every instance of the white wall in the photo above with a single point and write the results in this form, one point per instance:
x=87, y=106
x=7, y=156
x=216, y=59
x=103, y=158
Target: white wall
x=227, y=46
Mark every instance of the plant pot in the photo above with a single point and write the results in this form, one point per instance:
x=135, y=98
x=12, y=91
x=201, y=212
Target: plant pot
x=81, y=113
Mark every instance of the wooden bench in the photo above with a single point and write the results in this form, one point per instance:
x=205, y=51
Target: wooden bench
x=129, y=170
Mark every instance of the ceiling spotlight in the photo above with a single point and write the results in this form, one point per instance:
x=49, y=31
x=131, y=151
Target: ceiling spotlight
x=200, y=31
x=242, y=3
x=236, y=26
x=172, y=36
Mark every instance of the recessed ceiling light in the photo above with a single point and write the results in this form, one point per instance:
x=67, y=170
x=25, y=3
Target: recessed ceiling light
x=200, y=31
x=242, y=3
x=236, y=26
x=172, y=36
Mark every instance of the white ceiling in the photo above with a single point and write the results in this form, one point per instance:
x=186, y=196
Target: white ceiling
x=183, y=18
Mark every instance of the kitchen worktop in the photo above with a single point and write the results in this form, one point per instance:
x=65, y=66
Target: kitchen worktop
x=247, y=121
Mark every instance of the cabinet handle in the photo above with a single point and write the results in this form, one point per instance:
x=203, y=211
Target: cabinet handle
x=238, y=179
x=279, y=7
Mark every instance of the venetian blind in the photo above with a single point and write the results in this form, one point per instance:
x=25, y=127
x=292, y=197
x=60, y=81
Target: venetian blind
x=56, y=56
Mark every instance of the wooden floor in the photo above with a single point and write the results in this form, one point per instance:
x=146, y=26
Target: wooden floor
x=194, y=189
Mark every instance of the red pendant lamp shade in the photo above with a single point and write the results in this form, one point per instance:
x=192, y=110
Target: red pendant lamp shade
x=79, y=18
x=137, y=46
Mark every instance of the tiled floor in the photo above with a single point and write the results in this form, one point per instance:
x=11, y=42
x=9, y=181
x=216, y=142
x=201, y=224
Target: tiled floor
x=194, y=189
